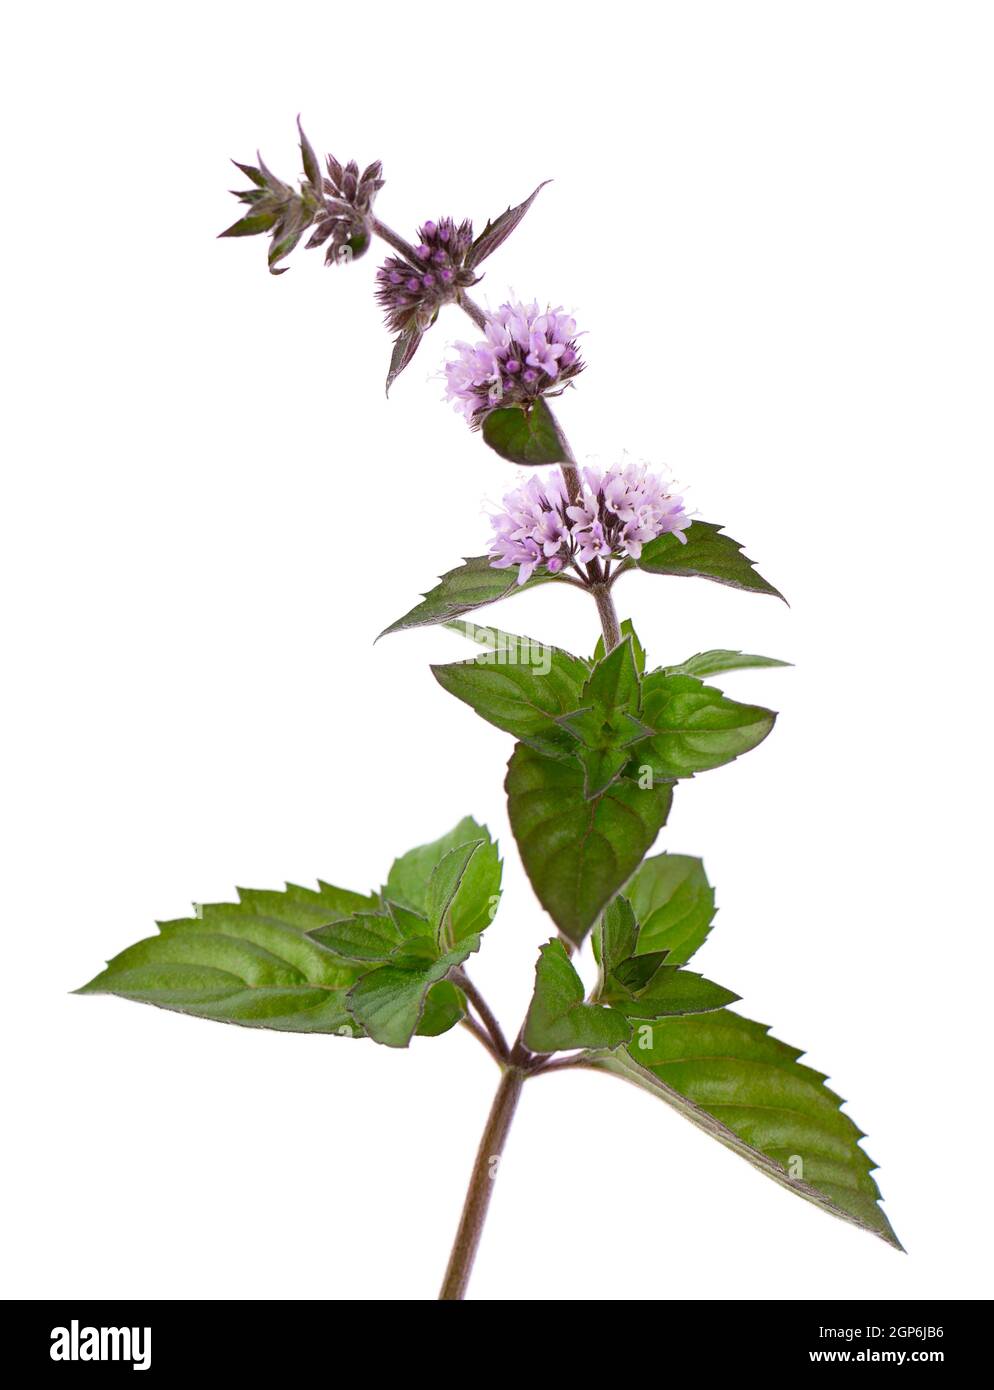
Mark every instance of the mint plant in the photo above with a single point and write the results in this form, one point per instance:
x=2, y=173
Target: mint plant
x=600, y=743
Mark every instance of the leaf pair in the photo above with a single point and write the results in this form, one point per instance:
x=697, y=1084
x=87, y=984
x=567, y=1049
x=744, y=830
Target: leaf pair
x=723, y=1072
x=590, y=785
x=609, y=716
x=328, y=960
x=708, y=553
x=636, y=983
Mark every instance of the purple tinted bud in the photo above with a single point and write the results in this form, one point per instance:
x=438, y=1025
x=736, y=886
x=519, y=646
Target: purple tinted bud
x=423, y=294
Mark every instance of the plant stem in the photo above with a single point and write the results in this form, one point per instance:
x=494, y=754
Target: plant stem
x=474, y=1212
x=393, y=239
x=487, y=1015
x=482, y=1037
x=608, y=615
x=519, y=1061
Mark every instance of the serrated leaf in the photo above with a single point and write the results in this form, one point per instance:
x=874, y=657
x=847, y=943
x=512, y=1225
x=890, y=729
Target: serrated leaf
x=237, y=964
x=578, y=853
x=707, y=553
x=614, y=681
x=440, y=897
x=496, y=233
x=471, y=585
x=365, y=937
x=609, y=723
x=749, y=1091
x=525, y=435
x=520, y=686
x=696, y=727
x=674, y=903
x=463, y=892
x=388, y=1003
x=627, y=630
x=714, y=663
x=410, y=875
x=558, y=1020
x=302, y=907
x=669, y=992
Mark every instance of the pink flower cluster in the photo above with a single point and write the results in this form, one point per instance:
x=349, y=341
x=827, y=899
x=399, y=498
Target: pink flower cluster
x=527, y=352
x=618, y=512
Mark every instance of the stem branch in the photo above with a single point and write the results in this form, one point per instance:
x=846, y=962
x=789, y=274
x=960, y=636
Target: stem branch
x=483, y=1009
x=482, y=1037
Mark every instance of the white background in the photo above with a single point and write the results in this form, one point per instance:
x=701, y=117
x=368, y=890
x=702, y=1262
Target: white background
x=775, y=223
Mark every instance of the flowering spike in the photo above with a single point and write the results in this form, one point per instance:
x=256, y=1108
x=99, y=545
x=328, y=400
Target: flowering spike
x=339, y=206
x=413, y=288
x=527, y=353
x=617, y=512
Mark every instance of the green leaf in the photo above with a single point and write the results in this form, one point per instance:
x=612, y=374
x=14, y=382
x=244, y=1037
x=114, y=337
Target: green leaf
x=439, y=898
x=463, y=892
x=608, y=724
x=445, y=1006
x=519, y=685
x=709, y=553
x=473, y=584
x=674, y=903
x=670, y=991
x=558, y=1019
x=365, y=937
x=696, y=727
x=251, y=225
x=578, y=853
x=529, y=436
x=496, y=233
x=627, y=630
x=250, y=962
x=614, y=684
x=616, y=935
x=389, y=1002
x=750, y=1092
x=640, y=975
x=407, y=882
x=328, y=960
x=713, y=663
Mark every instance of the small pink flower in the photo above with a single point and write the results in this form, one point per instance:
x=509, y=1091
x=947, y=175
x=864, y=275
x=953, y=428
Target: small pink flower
x=528, y=352
x=619, y=512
